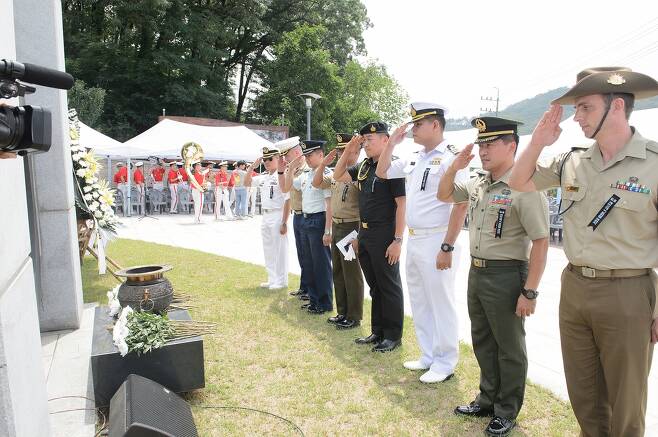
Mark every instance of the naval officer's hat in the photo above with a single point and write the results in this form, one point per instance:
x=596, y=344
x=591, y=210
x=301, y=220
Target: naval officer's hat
x=310, y=146
x=270, y=152
x=286, y=145
x=610, y=80
x=492, y=128
x=342, y=140
x=139, y=164
x=420, y=110
x=374, y=127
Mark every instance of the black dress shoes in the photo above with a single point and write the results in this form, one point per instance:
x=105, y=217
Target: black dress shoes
x=372, y=338
x=473, y=410
x=386, y=345
x=336, y=319
x=315, y=310
x=304, y=297
x=297, y=293
x=347, y=324
x=499, y=426
x=305, y=306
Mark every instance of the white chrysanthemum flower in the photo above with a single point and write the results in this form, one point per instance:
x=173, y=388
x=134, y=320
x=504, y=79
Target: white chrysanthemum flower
x=81, y=172
x=86, y=189
x=95, y=194
x=98, y=214
x=88, y=197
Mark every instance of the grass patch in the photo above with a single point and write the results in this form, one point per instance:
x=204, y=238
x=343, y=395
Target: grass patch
x=269, y=355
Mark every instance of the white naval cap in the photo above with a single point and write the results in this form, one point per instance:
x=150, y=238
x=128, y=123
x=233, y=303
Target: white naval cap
x=420, y=110
x=284, y=146
x=139, y=164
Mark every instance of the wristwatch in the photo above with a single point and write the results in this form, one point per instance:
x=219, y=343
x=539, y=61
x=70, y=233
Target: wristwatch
x=280, y=172
x=327, y=232
x=530, y=294
x=445, y=247
x=398, y=240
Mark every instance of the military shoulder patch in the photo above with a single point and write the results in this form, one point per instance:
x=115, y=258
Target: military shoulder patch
x=453, y=149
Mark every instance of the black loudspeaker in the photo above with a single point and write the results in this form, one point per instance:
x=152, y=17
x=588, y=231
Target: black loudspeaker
x=143, y=408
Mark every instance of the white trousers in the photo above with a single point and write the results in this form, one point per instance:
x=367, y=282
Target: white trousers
x=222, y=198
x=251, y=200
x=432, y=297
x=173, y=190
x=197, y=197
x=275, y=249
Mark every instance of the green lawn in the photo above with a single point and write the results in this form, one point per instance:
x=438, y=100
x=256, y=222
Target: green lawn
x=269, y=355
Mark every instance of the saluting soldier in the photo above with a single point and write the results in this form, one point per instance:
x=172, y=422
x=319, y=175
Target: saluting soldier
x=433, y=230
x=290, y=149
x=381, y=210
x=608, y=322
x=348, y=278
x=274, y=226
x=316, y=238
x=508, y=233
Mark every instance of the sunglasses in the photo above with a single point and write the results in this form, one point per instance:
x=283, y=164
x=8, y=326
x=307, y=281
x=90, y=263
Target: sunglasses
x=267, y=159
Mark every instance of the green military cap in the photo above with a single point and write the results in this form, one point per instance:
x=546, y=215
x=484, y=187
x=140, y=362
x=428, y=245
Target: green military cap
x=270, y=152
x=309, y=146
x=610, y=80
x=342, y=140
x=492, y=128
x=374, y=127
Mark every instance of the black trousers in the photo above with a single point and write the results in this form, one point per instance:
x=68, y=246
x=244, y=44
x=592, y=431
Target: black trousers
x=387, y=315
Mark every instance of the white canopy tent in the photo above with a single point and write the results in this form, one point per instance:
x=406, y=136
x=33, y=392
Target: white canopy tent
x=166, y=138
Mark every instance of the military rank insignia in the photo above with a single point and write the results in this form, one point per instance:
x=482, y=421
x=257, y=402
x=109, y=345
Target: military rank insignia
x=632, y=184
x=502, y=200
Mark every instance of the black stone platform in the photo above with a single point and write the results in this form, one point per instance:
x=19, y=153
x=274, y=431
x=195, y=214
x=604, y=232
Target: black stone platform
x=178, y=365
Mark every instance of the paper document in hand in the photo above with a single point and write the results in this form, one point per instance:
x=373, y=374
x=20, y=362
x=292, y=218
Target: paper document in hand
x=345, y=246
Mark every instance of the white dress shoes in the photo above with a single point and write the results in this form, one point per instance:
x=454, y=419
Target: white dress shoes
x=431, y=377
x=415, y=365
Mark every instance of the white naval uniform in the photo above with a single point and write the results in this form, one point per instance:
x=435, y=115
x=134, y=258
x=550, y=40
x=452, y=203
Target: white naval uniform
x=275, y=245
x=431, y=291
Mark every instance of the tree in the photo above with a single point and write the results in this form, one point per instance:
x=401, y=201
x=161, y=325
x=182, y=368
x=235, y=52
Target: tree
x=351, y=96
x=87, y=101
x=188, y=56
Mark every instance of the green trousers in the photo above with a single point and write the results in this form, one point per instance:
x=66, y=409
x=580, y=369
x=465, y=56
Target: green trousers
x=498, y=336
x=348, y=279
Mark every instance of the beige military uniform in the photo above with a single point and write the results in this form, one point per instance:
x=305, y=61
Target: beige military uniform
x=502, y=222
x=608, y=298
x=348, y=279
x=296, y=195
x=627, y=237
x=344, y=200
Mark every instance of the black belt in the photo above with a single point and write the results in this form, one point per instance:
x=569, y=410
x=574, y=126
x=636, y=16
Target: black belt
x=313, y=214
x=296, y=212
x=370, y=225
x=485, y=263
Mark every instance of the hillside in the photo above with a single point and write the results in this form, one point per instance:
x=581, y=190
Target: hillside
x=529, y=111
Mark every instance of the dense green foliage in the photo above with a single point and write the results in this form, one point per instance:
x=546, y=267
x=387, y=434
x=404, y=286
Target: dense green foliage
x=208, y=58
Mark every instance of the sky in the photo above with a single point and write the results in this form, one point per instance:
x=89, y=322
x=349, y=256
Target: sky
x=455, y=52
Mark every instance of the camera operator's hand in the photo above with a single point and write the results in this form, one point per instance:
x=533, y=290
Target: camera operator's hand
x=7, y=155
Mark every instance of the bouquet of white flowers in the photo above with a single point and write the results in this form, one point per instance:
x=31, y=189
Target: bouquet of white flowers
x=94, y=198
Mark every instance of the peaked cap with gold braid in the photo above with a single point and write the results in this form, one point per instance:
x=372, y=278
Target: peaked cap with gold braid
x=420, y=110
x=492, y=128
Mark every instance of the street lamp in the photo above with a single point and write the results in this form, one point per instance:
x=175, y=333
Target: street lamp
x=308, y=99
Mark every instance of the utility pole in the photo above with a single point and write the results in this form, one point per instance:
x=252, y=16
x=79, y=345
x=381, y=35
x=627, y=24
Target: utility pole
x=491, y=99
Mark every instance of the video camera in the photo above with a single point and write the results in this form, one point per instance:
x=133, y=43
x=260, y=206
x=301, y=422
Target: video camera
x=27, y=129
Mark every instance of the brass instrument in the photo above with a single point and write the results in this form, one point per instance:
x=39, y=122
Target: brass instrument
x=192, y=153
